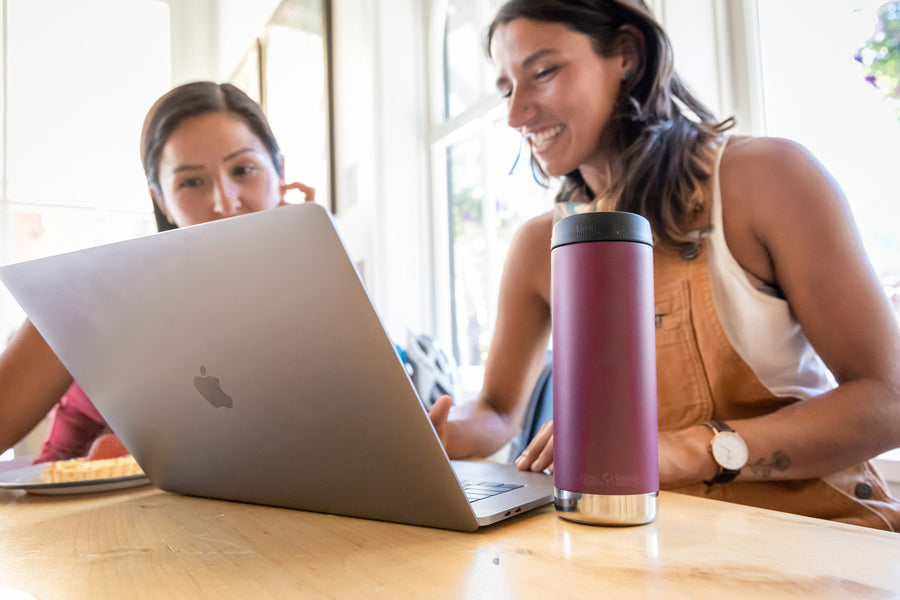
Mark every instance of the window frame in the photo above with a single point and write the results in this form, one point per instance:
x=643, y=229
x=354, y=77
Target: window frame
x=443, y=133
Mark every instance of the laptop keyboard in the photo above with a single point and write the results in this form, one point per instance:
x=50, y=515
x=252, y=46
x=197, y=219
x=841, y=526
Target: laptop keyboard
x=479, y=490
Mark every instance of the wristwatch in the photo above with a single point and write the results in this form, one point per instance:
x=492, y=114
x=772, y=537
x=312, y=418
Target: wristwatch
x=729, y=451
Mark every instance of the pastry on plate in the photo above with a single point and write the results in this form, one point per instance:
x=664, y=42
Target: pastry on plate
x=82, y=469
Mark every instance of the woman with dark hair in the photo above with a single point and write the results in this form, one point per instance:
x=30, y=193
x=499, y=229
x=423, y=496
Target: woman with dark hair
x=192, y=100
x=770, y=319
x=208, y=154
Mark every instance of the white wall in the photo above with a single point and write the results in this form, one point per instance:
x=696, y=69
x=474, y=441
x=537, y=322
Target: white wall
x=194, y=27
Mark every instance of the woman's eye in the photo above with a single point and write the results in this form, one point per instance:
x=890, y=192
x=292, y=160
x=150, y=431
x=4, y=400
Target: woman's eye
x=191, y=182
x=545, y=72
x=244, y=169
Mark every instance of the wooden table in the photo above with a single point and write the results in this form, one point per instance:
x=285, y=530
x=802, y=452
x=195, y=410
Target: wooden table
x=145, y=543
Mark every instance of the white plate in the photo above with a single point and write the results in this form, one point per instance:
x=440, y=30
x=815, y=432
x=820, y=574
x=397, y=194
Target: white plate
x=29, y=479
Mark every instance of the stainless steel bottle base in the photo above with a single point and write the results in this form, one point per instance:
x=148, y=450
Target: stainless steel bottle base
x=602, y=509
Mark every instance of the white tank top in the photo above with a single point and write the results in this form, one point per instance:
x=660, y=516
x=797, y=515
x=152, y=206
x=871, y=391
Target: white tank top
x=762, y=328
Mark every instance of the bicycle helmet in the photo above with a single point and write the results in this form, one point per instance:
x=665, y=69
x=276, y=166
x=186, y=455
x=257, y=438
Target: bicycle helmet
x=433, y=371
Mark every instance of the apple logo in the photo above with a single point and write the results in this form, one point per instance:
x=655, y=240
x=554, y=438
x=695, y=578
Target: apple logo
x=209, y=388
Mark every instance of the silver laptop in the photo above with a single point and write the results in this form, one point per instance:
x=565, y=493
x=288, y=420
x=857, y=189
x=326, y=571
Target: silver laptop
x=243, y=360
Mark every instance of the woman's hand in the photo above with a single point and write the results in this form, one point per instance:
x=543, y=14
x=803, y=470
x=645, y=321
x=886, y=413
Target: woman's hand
x=107, y=445
x=440, y=410
x=309, y=193
x=463, y=432
x=538, y=455
x=683, y=455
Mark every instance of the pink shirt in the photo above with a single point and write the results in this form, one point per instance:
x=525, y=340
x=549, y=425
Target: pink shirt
x=76, y=424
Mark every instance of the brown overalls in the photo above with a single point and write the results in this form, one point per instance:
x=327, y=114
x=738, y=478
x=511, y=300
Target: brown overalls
x=702, y=377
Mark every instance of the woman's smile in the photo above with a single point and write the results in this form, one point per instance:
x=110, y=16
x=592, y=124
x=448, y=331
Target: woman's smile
x=540, y=140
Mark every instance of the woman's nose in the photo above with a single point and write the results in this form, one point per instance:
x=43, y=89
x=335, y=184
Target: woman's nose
x=520, y=109
x=227, y=197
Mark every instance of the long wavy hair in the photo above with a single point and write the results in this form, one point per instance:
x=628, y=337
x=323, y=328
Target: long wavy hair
x=661, y=137
x=192, y=100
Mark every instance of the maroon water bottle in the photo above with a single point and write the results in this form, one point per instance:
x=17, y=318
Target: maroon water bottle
x=605, y=462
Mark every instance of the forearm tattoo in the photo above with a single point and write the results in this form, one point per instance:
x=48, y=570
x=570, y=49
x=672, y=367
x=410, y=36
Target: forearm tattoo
x=764, y=467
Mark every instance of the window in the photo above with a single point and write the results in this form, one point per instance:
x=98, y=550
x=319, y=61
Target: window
x=480, y=201
x=818, y=96
x=79, y=76
x=815, y=92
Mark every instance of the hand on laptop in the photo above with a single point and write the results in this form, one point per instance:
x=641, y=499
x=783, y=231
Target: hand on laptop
x=440, y=410
x=538, y=455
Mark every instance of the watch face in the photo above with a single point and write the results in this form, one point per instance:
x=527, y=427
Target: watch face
x=729, y=450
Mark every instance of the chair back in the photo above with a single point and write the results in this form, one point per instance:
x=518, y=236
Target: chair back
x=539, y=410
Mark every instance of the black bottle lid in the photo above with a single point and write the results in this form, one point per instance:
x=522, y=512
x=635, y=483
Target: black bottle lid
x=612, y=226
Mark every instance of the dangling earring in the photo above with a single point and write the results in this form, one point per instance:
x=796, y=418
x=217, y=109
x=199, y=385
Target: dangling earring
x=518, y=155
x=628, y=74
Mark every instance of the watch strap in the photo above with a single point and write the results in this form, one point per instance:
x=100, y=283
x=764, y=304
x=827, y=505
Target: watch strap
x=724, y=475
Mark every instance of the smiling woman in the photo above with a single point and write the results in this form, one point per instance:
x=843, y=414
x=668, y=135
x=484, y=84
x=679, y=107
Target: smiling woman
x=744, y=315
x=560, y=149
